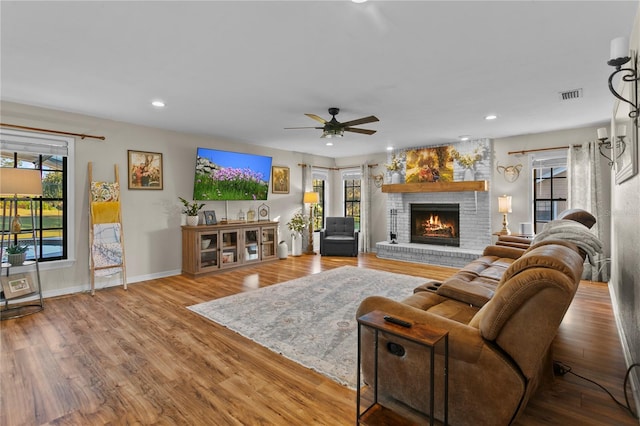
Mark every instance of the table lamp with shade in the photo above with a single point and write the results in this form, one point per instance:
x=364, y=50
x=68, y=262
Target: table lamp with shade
x=311, y=198
x=504, y=207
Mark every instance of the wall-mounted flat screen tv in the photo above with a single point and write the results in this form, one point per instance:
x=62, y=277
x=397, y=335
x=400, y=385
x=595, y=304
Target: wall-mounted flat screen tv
x=226, y=175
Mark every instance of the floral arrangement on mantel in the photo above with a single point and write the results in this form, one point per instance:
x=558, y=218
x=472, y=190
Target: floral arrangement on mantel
x=395, y=165
x=468, y=161
x=297, y=223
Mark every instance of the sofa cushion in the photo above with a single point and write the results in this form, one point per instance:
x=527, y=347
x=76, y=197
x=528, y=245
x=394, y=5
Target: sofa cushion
x=475, y=283
x=340, y=238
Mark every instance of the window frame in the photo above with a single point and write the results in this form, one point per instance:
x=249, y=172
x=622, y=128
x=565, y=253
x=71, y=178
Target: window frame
x=347, y=201
x=552, y=166
x=42, y=144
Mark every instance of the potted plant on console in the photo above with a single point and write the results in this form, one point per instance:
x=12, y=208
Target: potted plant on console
x=296, y=225
x=16, y=254
x=191, y=210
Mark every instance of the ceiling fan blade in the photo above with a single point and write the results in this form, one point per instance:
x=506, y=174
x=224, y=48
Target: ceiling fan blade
x=290, y=128
x=317, y=118
x=363, y=131
x=364, y=120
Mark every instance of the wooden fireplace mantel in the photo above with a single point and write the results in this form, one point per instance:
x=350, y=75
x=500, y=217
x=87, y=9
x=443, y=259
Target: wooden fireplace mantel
x=474, y=185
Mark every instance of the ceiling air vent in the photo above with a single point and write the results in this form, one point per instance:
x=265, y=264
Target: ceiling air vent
x=570, y=94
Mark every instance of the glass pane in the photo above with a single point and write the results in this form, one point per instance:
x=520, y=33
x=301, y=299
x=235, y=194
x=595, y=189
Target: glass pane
x=51, y=184
x=28, y=161
x=349, y=194
x=52, y=243
x=52, y=216
x=6, y=159
x=543, y=211
x=52, y=162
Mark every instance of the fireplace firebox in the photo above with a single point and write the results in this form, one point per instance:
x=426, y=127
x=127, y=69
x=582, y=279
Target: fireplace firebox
x=437, y=224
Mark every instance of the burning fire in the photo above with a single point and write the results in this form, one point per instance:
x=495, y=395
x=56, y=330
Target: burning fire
x=433, y=227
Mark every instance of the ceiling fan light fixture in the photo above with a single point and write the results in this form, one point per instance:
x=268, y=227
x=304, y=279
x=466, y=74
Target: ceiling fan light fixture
x=332, y=133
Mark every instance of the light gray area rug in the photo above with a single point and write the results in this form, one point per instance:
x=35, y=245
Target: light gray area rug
x=310, y=320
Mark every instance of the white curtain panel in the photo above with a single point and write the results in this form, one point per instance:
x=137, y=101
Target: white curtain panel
x=586, y=192
x=364, y=245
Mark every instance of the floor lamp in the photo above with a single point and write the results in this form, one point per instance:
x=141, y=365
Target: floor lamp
x=20, y=185
x=311, y=198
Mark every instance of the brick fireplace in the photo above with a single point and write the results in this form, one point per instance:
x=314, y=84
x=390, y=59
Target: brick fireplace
x=472, y=232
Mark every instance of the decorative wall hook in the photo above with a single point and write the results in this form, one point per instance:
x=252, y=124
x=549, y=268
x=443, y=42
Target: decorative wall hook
x=510, y=173
x=377, y=179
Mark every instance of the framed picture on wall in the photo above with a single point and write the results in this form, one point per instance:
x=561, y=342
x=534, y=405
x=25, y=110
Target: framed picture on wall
x=279, y=180
x=144, y=170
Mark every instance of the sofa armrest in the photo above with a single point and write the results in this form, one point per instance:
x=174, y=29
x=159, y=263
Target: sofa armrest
x=465, y=342
x=503, y=251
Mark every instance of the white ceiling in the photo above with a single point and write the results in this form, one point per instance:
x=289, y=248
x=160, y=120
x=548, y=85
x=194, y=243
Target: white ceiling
x=242, y=71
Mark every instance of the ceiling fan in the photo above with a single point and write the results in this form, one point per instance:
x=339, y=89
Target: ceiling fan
x=334, y=129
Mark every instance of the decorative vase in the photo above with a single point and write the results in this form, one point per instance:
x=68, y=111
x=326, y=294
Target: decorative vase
x=296, y=244
x=469, y=174
x=251, y=215
x=396, y=177
x=192, y=220
x=16, y=259
x=283, y=250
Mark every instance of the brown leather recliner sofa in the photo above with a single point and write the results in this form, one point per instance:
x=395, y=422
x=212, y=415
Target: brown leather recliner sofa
x=502, y=312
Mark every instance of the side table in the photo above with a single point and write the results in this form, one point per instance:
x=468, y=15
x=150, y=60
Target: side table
x=421, y=334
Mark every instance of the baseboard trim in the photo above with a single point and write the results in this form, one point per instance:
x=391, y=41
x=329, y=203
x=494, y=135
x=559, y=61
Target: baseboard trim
x=115, y=281
x=634, y=376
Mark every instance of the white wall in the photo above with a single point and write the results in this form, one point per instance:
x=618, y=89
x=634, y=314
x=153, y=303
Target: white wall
x=625, y=271
x=151, y=218
x=521, y=189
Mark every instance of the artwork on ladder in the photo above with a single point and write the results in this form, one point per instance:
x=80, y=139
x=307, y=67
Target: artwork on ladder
x=144, y=170
x=279, y=180
x=16, y=285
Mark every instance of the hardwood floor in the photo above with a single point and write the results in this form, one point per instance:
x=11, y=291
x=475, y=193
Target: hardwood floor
x=139, y=357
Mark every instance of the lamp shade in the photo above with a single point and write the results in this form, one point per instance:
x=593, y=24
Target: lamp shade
x=311, y=197
x=20, y=182
x=504, y=204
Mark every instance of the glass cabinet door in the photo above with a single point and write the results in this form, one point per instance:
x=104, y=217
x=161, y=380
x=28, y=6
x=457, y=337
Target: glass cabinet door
x=251, y=245
x=269, y=242
x=209, y=250
x=229, y=248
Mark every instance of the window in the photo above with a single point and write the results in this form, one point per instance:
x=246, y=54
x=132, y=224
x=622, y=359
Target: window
x=53, y=211
x=550, y=190
x=318, y=211
x=352, y=200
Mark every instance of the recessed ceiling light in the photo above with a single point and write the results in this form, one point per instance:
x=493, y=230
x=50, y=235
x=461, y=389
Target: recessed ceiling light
x=464, y=137
x=491, y=117
x=329, y=143
x=359, y=1
x=158, y=104
x=389, y=148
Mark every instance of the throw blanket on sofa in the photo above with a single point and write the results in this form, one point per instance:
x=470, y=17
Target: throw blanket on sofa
x=572, y=232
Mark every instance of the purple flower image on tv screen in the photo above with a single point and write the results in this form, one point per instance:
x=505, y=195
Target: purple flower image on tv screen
x=226, y=175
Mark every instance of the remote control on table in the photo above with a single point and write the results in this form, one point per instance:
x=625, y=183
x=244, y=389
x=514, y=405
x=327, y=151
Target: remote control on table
x=397, y=321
